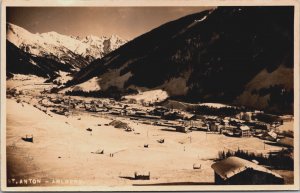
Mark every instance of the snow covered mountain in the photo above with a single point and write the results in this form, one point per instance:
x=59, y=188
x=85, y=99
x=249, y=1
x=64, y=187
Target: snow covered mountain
x=231, y=55
x=70, y=51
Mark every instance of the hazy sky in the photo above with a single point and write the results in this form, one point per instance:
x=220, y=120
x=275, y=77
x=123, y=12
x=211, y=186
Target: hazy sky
x=127, y=22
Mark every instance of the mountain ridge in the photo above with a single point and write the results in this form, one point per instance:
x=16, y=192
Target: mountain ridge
x=213, y=54
x=69, y=51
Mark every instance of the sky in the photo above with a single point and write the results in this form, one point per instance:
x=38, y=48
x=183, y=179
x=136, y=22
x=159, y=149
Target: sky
x=126, y=22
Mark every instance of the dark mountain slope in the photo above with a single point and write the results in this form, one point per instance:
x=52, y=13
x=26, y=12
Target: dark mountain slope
x=19, y=62
x=218, y=53
x=137, y=49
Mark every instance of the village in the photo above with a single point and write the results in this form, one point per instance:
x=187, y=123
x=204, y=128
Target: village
x=273, y=132
x=245, y=124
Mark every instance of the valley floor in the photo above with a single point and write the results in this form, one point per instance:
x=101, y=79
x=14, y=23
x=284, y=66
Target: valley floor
x=61, y=152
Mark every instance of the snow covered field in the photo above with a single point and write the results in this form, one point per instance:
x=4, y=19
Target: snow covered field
x=62, y=148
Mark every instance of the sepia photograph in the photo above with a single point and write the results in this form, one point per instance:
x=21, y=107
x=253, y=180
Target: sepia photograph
x=148, y=96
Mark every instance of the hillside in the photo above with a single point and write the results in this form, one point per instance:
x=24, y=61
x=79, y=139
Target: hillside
x=19, y=62
x=218, y=55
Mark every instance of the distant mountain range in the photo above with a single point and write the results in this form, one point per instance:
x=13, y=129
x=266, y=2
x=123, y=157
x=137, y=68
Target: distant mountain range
x=233, y=55
x=47, y=53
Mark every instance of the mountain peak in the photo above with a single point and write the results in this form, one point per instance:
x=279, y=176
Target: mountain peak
x=17, y=35
x=56, y=44
x=114, y=37
x=92, y=37
x=76, y=37
x=66, y=50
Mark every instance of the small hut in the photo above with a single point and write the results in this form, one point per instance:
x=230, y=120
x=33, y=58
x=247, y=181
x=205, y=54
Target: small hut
x=182, y=129
x=28, y=138
x=237, y=171
x=142, y=175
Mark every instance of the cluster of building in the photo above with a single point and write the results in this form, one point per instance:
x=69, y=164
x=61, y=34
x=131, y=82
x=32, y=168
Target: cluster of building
x=244, y=124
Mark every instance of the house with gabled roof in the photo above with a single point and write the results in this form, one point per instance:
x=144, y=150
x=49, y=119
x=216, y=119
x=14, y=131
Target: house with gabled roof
x=238, y=171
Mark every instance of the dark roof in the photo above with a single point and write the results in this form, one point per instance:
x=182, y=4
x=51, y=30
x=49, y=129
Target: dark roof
x=234, y=165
